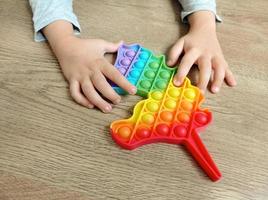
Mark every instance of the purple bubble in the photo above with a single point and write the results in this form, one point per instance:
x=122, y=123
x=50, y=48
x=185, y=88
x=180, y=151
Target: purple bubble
x=130, y=53
x=125, y=62
x=122, y=70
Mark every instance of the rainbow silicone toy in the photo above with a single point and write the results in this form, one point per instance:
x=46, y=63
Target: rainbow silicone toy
x=170, y=114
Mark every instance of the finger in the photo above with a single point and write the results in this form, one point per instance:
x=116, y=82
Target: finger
x=204, y=65
x=105, y=88
x=229, y=77
x=110, y=47
x=186, y=63
x=78, y=96
x=219, y=66
x=90, y=92
x=175, y=52
x=114, y=75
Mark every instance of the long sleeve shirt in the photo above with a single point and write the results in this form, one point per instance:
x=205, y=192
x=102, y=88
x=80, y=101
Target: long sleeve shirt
x=48, y=11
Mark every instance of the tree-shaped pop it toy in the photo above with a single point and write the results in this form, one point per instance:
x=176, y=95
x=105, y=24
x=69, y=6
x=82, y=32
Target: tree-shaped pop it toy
x=169, y=114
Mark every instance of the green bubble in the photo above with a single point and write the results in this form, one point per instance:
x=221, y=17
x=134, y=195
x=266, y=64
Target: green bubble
x=145, y=84
x=161, y=84
x=149, y=74
x=154, y=64
x=164, y=74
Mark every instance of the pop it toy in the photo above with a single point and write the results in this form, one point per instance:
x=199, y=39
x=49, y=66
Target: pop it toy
x=169, y=114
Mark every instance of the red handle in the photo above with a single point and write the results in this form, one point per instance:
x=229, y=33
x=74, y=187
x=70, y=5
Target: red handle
x=198, y=150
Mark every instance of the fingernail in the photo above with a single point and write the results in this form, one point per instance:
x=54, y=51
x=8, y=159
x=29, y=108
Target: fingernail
x=177, y=82
x=90, y=106
x=117, y=101
x=108, y=108
x=133, y=90
x=216, y=89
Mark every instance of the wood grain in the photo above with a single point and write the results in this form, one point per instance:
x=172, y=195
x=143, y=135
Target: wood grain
x=52, y=148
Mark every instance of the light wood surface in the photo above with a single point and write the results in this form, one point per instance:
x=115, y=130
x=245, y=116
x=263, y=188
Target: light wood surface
x=52, y=148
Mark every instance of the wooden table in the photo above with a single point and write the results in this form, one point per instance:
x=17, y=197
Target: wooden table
x=52, y=148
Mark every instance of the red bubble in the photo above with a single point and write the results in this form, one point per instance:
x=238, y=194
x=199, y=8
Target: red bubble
x=201, y=118
x=180, y=131
x=162, y=129
x=143, y=133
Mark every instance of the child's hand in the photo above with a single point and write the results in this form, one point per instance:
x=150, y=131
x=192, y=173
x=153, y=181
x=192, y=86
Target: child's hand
x=84, y=66
x=201, y=47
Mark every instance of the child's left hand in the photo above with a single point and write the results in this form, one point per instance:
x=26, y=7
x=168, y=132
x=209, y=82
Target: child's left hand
x=201, y=47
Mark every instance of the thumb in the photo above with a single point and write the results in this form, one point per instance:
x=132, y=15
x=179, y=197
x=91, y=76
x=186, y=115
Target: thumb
x=111, y=47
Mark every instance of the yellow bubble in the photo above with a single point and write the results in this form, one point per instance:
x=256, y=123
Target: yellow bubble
x=152, y=106
x=157, y=95
x=148, y=118
x=190, y=93
x=171, y=104
x=174, y=92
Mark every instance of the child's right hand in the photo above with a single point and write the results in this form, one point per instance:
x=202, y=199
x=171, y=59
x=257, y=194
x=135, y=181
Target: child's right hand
x=84, y=66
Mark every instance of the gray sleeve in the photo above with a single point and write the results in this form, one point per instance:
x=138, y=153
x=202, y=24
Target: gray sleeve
x=191, y=6
x=48, y=11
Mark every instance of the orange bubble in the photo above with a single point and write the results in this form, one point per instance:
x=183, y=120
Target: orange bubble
x=124, y=132
x=166, y=116
x=186, y=105
x=183, y=117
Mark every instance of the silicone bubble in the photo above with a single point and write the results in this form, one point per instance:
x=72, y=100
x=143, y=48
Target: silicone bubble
x=144, y=55
x=161, y=84
x=166, y=116
x=130, y=53
x=124, y=132
x=135, y=73
x=201, y=118
x=186, y=105
x=164, y=74
x=154, y=65
x=180, y=131
x=143, y=133
x=149, y=74
x=170, y=103
x=190, y=93
x=162, y=129
x=157, y=95
x=145, y=84
x=152, y=106
x=125, y=61
x=139, y=64
x=183, y=117
x=174, y=92
x=148, y=118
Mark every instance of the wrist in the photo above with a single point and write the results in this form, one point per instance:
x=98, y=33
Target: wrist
x=58, y=34
x=202, y=20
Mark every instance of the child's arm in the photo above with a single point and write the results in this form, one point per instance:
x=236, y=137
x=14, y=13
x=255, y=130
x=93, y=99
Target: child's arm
x=201, y=46
x=82, y=60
